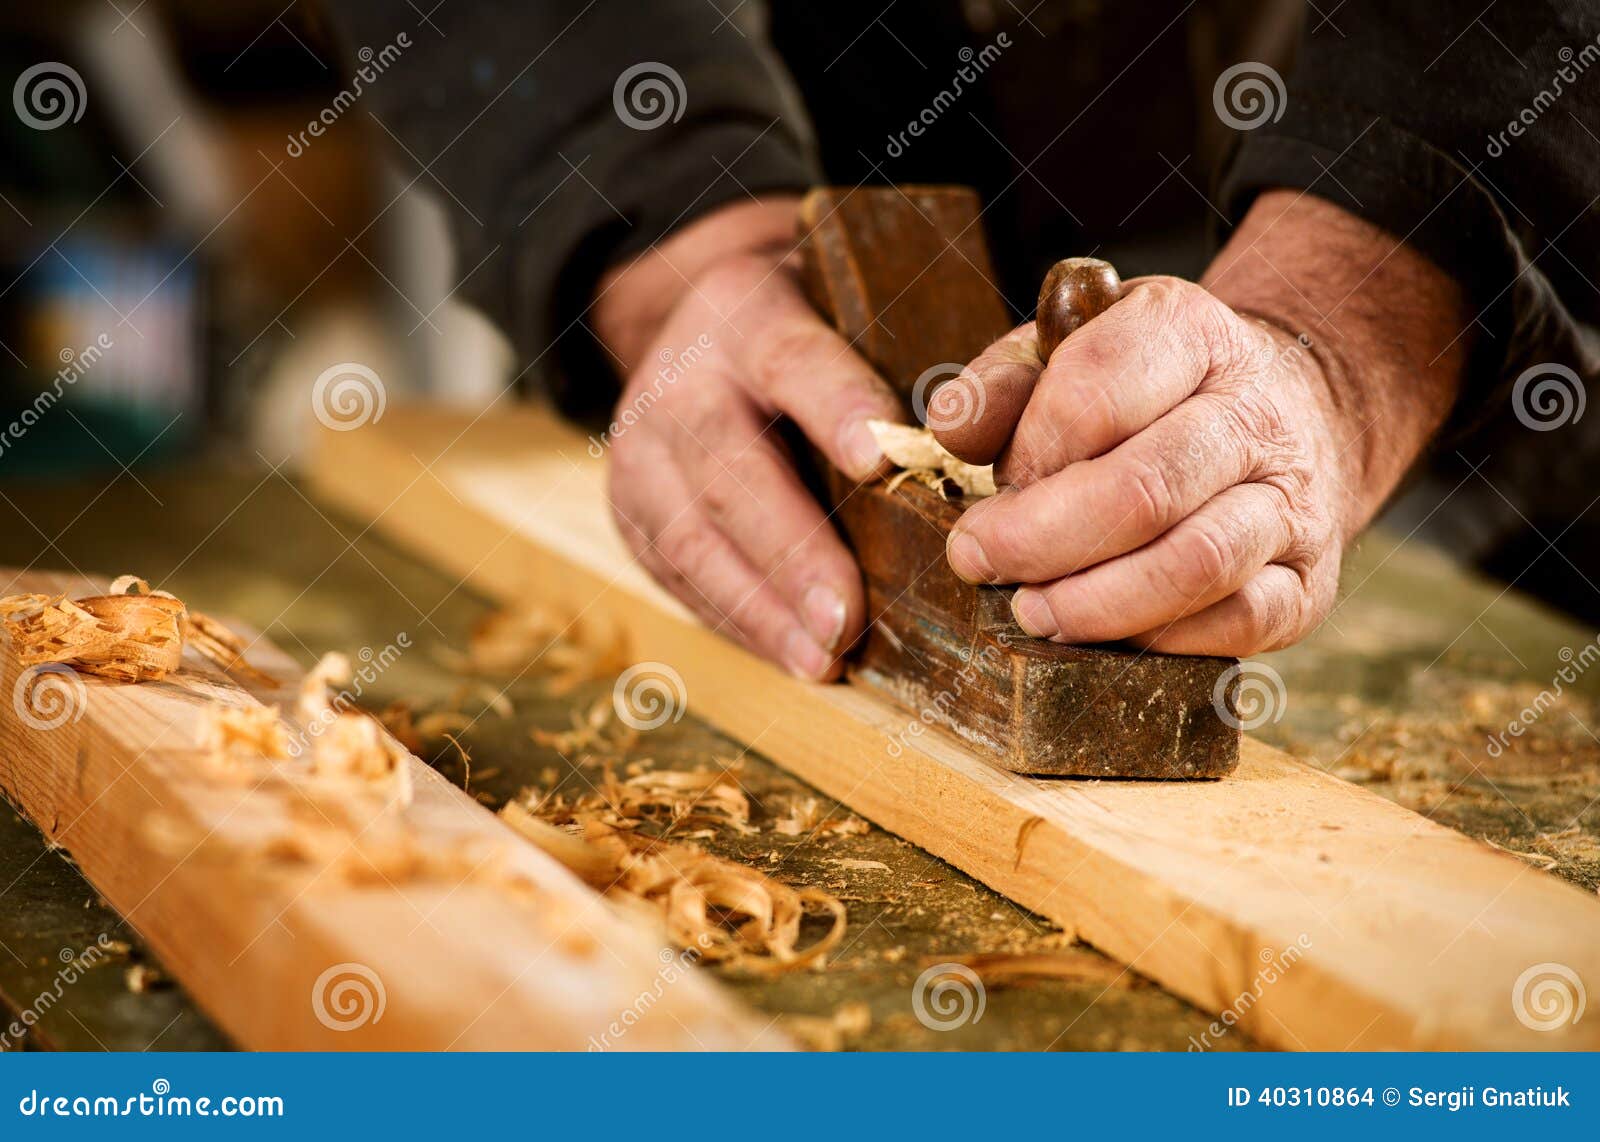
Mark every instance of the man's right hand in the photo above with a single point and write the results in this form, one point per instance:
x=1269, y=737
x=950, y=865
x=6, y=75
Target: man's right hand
x=701, y=483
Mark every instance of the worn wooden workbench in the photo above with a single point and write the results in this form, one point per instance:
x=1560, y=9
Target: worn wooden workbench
x=1402, y=690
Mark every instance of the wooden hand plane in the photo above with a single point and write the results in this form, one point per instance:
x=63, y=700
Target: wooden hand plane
x=904, y=275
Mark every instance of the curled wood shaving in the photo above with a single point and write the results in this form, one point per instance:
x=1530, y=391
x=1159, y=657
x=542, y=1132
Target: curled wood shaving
x=998, y=968
x=129, y=634
x=234, y=733
x=925, y=460
x=596, y=730
x=728, y=913
x=805, y=816
x=347, y=743
x=525, y=636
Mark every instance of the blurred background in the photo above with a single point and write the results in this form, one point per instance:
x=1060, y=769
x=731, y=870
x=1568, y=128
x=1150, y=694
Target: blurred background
x=180, y=261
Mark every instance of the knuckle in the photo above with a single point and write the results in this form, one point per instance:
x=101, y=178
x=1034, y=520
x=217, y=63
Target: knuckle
x=730, y=281
x=1148, y=495
x=788, y=347
x=1206, y=553
x=689, y=550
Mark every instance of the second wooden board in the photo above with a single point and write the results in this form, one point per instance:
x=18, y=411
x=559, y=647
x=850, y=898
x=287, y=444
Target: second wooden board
x=1308, y=911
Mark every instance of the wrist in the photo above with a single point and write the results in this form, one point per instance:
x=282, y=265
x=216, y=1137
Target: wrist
x=634, y=299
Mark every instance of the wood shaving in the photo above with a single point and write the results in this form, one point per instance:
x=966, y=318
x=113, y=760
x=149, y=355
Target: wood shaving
x=923, y=458
x=234, y=733
x=596, y=730
x=346, y=743
x=805, y=816
x=729, y=914
x=522, y=637
x=130, y=634
x=829, y=1032
x=143, y=978
x=1078, y=965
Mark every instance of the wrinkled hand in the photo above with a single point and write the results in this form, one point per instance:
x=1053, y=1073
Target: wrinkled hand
x=703, y=487
x=1177, y=476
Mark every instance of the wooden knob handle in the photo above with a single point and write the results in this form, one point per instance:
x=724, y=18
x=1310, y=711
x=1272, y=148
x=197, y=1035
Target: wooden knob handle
x=1075, y=290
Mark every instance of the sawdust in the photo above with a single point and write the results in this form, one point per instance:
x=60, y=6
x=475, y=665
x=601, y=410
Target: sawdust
x=804, y=816
x=922, y=458
x=129, y=634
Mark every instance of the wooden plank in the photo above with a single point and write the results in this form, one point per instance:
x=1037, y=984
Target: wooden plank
x=267, y=890
x=1307, y=910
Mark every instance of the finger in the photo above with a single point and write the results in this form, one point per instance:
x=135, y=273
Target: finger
x=803, y=369
x=677, y=542
x=1105, y=507
x=1271, y=610
x=1116, y=376
x=973, y=415
x=1202, y=560
x=746, y=482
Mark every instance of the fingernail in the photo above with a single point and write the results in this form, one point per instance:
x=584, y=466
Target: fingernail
x=859, y=448
x=1033, y=613
x=804, y=658
x=824, y=613
x=967, y=558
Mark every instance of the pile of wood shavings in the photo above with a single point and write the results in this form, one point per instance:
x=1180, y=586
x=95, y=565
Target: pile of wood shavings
x=728, y=913
x=231, y=734
x=923, y=459
x=129, y=634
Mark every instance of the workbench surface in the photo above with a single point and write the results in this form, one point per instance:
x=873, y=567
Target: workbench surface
x=1403, y=689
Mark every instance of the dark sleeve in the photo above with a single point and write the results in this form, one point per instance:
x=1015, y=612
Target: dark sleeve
x=1474, y=135
x=567, y=134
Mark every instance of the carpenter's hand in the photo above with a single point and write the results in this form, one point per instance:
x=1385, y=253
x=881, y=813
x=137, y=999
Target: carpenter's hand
x=1177, y=476
x=701, y=483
